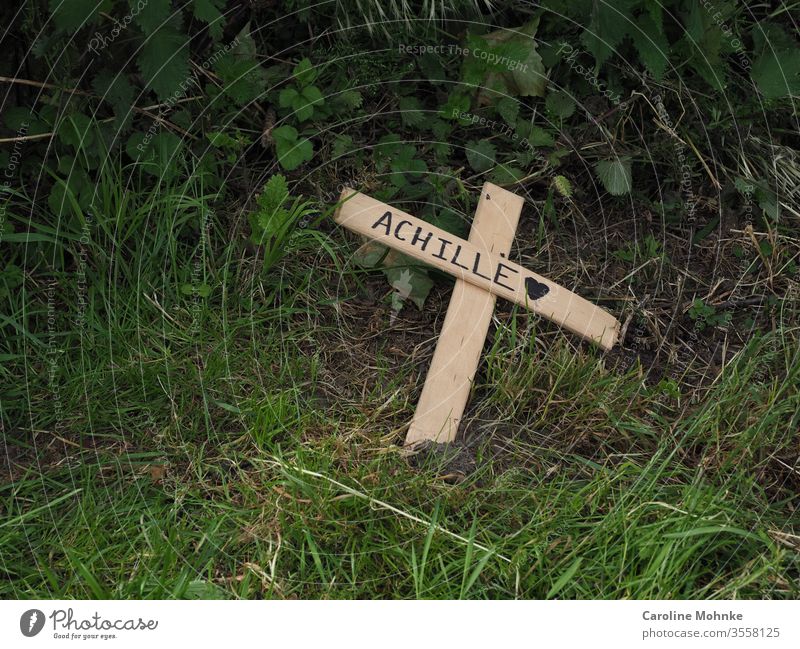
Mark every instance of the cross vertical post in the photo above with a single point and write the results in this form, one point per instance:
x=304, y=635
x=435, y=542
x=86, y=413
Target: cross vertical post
x=457, y=355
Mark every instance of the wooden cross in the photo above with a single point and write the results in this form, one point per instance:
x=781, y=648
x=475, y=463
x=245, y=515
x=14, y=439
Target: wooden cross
x=482, y=272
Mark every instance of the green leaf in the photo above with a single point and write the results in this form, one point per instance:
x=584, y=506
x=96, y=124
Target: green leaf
x=342, y=145
x=154, y=16
x=275, y=194
x=610, y=23
x=615, y=175
x=18, y=118
x=301, y=103
x=115, y=88
x=431, y=67
x=777, y=74
x=457, y=103
x=370, y=254
x=287, y=97
x=310, y=97
x=770, y=36
x=481, y=155
x=714, y=530
x=508, y=109
x=652, y=45
x=449, y=221
x=164, y=62
x=222, y=140
x=541, y=137
x=526, y=77
x=505, y=175
x=348, y=100
x=291, y=151
x=72, y=15
x=202, y=290
x=242, y=78
x=410, y=113
x=406, y=165
x=210, y=12
x=76, y=130
x=560, y=104
x=312, y=94
x=702, y=44
x=74, y=191
x=305, y=73
x=441, y=130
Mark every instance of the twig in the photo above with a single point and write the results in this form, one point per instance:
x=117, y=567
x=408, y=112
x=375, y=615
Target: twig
x=76, y=91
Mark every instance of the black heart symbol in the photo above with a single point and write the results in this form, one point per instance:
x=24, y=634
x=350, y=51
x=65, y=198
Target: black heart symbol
x=535, y=289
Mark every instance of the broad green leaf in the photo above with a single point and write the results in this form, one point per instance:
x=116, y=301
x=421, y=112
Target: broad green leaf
x=154, y=16
x=541, y=137
x=201, y=290
x=291, y=151
x=526, y=78
x=312, y=94
x=76, y=130
x=164, y=63
x=770, y=36
x=210, y=12
x=242, y=78
x=508, y=109
x=348, y=100
x=310, y=97
x=610, y=23
x=404, y=165
x=432, y=69
x=505, y=175
x=457, y=104
x=370, y=254
x=18, y=118
x=652, y=45
x=342, y=145
x=615, y=175
x=702, y=45
x=222, y=140
x=410, y=113
x=560, y=104
x=305, y=73
x=450, y=221
x=275, y=194
x=777, y=74
x=115, y=88
x=72, y=15
x=287, y=97
x=481, y=155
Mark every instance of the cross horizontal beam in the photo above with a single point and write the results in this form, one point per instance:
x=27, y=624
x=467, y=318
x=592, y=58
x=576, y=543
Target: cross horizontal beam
x=466, y=261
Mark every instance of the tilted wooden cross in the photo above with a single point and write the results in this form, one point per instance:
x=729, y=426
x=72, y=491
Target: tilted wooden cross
x=482, y=272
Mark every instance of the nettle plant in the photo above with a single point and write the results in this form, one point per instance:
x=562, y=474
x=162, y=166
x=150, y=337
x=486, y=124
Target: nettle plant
x=142, y=78
x=276, y=219
x=716, y=41
x=621, y=44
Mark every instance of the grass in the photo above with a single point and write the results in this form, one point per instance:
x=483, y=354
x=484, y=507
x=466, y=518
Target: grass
x=247, y=444
x=182, y=419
